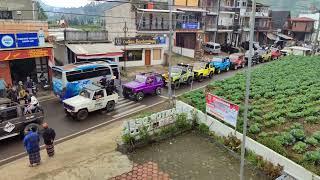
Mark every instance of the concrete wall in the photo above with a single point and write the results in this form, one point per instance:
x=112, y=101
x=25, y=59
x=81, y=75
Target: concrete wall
x=183, y=51
x=60, y=53
x=115, y=26
x=302, y=26
x=221, y=129
x=18, y=5
x=86, y=36
x=226, y=19
x=15, y=26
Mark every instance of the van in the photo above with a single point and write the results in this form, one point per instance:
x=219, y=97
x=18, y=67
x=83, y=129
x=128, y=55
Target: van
x=212, y=48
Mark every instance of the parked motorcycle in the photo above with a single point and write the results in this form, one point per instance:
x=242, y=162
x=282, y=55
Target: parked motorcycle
x=44, y=82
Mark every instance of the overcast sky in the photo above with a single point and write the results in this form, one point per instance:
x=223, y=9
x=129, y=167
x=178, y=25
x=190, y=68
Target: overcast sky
x=66, y=3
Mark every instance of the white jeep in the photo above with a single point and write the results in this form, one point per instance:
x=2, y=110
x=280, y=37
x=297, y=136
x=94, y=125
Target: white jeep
x=91, y=98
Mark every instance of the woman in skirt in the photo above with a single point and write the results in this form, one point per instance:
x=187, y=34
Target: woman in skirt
x=31, y=144
x=48, y=137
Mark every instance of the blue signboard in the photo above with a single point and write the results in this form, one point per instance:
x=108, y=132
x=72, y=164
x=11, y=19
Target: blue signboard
x=7, y=41
x=161, y=40
x=190, y=25
x=27, y=40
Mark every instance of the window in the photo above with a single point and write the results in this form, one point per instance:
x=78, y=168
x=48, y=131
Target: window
x=157, y=54
x=143, y=22
x=57, y=74
x=98, y=95
x=87, y=74
x=6, y=15
x=151, y=20
x=133, y=55
x=162, y=23
x=156, y=22
x=244, y=3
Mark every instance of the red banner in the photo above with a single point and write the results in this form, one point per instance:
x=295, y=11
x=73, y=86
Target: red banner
x=222, y=109
x=25, y=53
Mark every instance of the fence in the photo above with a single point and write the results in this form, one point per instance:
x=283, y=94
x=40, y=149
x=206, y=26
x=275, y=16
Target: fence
x=221, y=129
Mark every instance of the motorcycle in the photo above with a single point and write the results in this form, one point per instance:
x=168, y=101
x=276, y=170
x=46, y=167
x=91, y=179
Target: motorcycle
x=44, y=83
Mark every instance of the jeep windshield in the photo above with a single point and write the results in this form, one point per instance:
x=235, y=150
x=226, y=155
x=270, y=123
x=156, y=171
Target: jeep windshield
x=198, y=66
x=85, y=93
x=141, y=78
x=176, y=70
x=217, y=60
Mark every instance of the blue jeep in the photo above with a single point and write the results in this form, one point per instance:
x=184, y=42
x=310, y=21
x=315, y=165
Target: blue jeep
x=221, y=64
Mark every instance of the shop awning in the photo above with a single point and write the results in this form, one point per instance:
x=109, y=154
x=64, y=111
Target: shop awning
x=284, y=36
x=98, y=50
x=192, y=9
x=158, y=10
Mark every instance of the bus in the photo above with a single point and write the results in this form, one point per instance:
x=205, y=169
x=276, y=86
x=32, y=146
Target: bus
x=70, y=79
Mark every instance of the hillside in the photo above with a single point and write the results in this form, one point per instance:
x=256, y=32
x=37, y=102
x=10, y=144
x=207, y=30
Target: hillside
x=295, y=6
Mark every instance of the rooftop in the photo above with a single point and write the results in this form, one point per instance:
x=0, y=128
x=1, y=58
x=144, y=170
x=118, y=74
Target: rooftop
x=302, y=19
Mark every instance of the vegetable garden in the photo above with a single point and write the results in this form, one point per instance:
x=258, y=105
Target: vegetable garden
x=284, y=112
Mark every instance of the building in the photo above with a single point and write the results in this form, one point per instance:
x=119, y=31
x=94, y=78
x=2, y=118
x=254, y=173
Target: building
x=18, y=9
x=315, y=17
x=147, y=26
x=280, y=21
x=301, y=28
x=23, y=51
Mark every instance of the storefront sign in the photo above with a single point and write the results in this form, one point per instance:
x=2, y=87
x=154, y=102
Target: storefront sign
x=190, y=25
x=27, y=40
x=24, y=54
x=134, y=40
x=222, y=109
x=7, y=41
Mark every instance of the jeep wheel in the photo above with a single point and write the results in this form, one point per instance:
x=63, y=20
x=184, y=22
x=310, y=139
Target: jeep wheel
x=235, y=67
x=243, y=65
x=200, y=78
x=30, y=126
x=211, y=75
x=218, y=71
x=139, y=96
x=158, y=91
x=176, y=84
x=110, y=106
x=227, y=69
x=82, y=114
x=125, y=95
x=189, y=81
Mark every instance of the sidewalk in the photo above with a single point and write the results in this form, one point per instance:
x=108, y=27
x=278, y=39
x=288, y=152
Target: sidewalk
x=90, y=156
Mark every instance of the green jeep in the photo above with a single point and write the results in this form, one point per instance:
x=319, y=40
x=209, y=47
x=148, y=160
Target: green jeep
x=202, y=70
x=179, y=74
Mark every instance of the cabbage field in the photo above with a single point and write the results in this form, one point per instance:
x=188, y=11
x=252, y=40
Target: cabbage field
x=284, y=112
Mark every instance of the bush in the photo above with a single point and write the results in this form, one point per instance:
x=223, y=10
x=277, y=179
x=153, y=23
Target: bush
x=144, y=134
x=298, y=134
x=312, y=141
x=182, y=122
x=128, y=139
x=300, y=147
x=168, y=130
x=296, y=126
x=203, y=128
x=316, y=135
x=312, y=156
x=312, y=119
x=273, y=144
x=286, y=139
x=254, y=128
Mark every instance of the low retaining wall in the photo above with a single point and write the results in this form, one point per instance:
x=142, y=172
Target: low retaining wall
x=220, y=129
x=183, y=51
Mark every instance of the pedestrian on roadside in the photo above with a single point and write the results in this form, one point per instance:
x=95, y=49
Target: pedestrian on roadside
x=31, y=144
x=3, y=86
x=12, y=94
x=48, y=137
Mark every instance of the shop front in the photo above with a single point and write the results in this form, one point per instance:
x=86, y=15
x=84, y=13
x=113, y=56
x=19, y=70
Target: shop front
x=142, y=51
x=18, y=64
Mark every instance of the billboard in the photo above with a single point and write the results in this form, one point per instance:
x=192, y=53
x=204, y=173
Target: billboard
x=27, y=39
x=222, y=109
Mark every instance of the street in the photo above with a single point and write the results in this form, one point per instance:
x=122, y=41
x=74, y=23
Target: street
x=64, y=126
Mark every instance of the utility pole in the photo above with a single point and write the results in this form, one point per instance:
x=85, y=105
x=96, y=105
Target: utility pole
x=245, y=115
x=33, y=10
x=315, y=43
x=125, y=30
x=170, y=51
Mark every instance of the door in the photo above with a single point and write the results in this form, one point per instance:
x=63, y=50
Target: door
x=98, y=98
x=9, y=122
x=147, y=57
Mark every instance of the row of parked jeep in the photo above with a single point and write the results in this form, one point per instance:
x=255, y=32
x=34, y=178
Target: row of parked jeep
x=152, y=83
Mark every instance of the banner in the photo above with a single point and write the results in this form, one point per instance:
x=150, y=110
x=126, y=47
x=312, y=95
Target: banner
x=27, y=39
x=24, y=54
x=191, y=25
x=139, y=40
x=7, y=41
x=222, y=109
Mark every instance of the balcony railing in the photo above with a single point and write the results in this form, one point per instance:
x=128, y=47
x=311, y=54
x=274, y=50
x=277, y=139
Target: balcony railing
x=212, y=9
x=148, y=27
x=229, y=9
x=223, y=27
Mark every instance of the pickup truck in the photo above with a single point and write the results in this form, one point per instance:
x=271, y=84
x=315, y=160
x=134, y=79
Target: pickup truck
x=91, y=98
x=14, y=122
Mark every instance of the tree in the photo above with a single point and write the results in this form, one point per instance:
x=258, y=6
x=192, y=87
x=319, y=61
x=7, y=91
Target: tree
x=41, y=14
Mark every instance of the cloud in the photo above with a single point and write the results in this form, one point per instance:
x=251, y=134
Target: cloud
x=66, y=3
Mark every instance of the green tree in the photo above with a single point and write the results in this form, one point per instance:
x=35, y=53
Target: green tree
x=41, y=13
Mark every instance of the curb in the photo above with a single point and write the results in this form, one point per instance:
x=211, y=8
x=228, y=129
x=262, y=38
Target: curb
x=71, y=136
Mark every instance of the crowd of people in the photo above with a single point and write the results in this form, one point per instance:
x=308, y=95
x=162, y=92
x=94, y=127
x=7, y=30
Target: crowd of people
x=31, y=143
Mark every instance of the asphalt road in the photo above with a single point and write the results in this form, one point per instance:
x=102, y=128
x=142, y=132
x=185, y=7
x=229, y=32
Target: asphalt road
x=64, y=126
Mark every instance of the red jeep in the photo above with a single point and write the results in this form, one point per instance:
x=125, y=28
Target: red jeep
x=275, y=53
x=237, y=60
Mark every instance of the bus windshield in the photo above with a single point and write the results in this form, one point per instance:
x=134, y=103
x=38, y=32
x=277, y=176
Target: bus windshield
x=57, y=74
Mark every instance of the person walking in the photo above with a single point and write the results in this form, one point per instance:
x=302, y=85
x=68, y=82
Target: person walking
x=31, y=144
x=48, y=137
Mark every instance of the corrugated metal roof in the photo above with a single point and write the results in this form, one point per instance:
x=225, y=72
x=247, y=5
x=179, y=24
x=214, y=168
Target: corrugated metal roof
x=93, y=49
x=305, y=19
